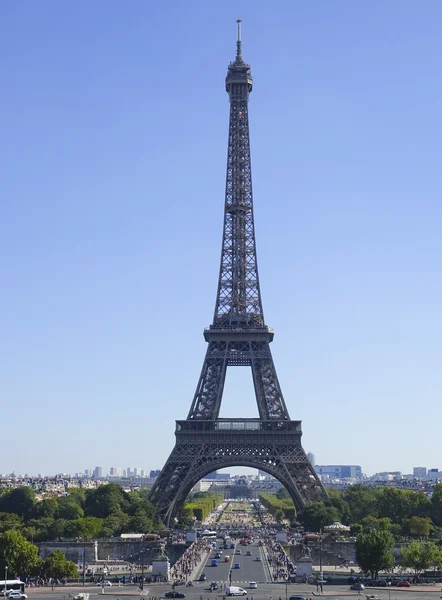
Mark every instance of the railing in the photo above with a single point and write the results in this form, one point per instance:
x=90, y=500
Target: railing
x=239, y=425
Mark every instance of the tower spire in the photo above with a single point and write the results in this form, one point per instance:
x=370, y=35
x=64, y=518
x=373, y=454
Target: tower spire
x=238, y=42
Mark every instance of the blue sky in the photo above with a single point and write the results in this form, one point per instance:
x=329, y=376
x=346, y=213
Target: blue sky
x=112, y=162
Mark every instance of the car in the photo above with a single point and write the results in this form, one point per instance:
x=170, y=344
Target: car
x=104, y=583
x=16, y=595
x=236, y=566
x=232, y=546
x=258, y=559
x=372, y=597
x=203, y=577
x=248, y=553
x=174, y=594
x=253, y=585
x=357, y=586
x=227, y=559
x=217, y=555
x=214, y=563
x=404, y=584
x=238, y=551
x=297, y=598
x=213, y=586
x=233, y=590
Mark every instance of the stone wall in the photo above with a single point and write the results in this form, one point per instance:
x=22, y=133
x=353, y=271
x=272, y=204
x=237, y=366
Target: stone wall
x=109, y=550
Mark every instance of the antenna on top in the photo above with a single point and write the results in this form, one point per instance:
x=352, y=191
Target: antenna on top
x=238, y=42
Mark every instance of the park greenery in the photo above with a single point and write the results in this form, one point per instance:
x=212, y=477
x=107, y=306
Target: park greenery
x=201, y=505
x=106, y=511
x=404, y=514
x=379, y=518
x=22, y=560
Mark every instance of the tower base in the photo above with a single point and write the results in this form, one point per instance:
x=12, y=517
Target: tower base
x=205, y=446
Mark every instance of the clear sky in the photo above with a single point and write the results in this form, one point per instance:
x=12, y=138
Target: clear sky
x=112, y=167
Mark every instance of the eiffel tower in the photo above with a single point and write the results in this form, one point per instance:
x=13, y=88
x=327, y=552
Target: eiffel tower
x=237, y=337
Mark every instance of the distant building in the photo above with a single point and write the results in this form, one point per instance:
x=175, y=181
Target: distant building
x=434, y=474
x=202, y=486
x=155, y=473
x=339, y=471
x=311, y=458
x=98, y=472
x=115, y=472
x=420, y=472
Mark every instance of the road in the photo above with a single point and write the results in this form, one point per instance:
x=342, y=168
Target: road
x=264, y=592
x=250, y=568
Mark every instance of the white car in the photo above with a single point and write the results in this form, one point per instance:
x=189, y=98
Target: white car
x=16, y=596
x=253, y=585
x=104, y=583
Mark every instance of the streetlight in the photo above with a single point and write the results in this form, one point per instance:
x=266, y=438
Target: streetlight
x=142, y=570
x=84, y=562
x=6, y=577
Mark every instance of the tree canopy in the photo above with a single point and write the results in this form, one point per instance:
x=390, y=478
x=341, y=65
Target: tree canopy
x=106, y=511
x=373, y=551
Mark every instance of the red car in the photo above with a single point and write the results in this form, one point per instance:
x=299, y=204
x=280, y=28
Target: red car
x=404, y=584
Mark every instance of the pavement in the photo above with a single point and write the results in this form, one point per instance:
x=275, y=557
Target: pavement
x=264, y=592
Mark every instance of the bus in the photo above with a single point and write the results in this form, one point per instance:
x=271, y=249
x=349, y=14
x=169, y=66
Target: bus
x=12, y=585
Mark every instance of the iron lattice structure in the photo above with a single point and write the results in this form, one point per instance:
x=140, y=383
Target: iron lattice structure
x=238, y=336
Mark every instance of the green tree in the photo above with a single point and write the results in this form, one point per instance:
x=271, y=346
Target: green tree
x=87, y=527
x=68, y=508
x=20, y=501
x=420, y=556
x=362, y=502
x=336, y=499
x=139, y=524
x=419, y=526
x=316, y=515
x=373, y=551
x=105, y=500
x=19, y=555
x=47, y=508
x=283, y=494
x=10, y=521
x=115, y=524
x=436, y=505
x=57, y=566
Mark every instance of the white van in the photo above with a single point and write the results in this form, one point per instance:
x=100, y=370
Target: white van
x=235, y=591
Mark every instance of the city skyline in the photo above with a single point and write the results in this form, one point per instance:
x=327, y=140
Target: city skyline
x=111, y=224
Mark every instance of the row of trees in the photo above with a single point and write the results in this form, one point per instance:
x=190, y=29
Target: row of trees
x=374, y=554
x=201, y=505
x=21, y=558
x=280, y=506
x=402, y=513
x=106, y=511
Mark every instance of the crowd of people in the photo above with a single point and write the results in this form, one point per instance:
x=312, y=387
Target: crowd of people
x=280, y=564
x=184, y=566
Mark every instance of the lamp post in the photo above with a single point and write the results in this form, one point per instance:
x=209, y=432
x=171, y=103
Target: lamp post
x=84, y=562
x=142, y=570
x=6, y=577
